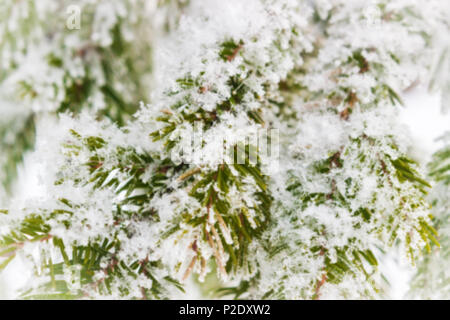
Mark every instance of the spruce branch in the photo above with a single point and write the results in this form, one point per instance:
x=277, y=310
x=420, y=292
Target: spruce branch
x=134, y=206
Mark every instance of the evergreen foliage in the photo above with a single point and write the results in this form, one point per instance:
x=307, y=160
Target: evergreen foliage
x=136, y=200
x=432, y=278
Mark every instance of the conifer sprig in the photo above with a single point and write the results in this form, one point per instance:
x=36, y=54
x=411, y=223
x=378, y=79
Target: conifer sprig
x=134, y=207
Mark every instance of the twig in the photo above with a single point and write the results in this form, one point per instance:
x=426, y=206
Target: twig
x=189, y=268
x=167, y=111
x=234, y=53
x=319, y=285
x=220, y=251
x=188, y=173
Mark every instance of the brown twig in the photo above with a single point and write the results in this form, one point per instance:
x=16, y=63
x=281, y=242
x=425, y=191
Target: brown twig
x=167, y=111
x=234, y=53
x=188, y=173
x=189, y=268
x=222, y=224
x=220, y=251
x=320, y=283
x=351, y=101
